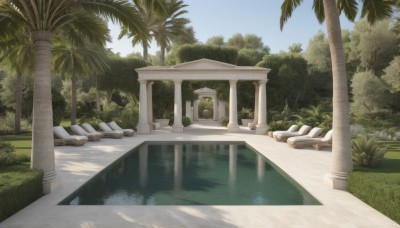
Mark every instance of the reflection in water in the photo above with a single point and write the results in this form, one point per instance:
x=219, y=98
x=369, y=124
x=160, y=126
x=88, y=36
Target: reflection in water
x=190, y=174
x=143, y=151
x=260, y=167
x=178, y=166
x=232, y=163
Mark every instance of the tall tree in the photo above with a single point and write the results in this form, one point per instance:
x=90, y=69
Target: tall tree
x=77, y=61
x=170, y=25
x=216, y=40
x=43, y=19
x=17, y=54
x=328, y=10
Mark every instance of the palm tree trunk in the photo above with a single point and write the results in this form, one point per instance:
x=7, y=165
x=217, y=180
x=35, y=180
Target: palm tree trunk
x=73, y=98
x=97, y=94
x=42, y=127
x=145, y=52
x=341, y=162
x=18, y=103
x=162, y=57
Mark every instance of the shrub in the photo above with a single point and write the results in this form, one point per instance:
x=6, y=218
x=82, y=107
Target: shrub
x=225, y=121
x=186, y=121
x=7, y=154
x=246, y=113
x=188, y=52
x=7, y=122
x=278, y=125
x=18, y=188
x=367, y=152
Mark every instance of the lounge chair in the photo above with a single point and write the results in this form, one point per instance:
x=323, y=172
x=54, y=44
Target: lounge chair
x=112, y=134
x=116, y=134
x=92, y=136
x=127, y=132
x=314, y=133
x=282, y=137
x=292, y=128
x=317, y=143
x=75, y=140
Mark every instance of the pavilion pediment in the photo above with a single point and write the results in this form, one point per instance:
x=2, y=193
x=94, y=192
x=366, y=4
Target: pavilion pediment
x=204, y=64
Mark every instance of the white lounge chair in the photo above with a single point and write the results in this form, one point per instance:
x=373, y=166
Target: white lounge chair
x=112, y=134
x=317, y=143
x=92, y=136
x=282, y=137
x=75, y=140
x=127, y=132
x=292, y=128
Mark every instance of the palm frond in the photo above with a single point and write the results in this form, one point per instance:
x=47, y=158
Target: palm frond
x=318, y=7
x=287, y=9
x=349, y=7
x=376, y=10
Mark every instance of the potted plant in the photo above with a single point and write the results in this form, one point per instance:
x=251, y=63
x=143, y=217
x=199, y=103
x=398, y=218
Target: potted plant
x=164, y=120
x=247, y=116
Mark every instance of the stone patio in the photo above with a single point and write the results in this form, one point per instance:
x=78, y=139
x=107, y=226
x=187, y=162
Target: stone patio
x=76, y=165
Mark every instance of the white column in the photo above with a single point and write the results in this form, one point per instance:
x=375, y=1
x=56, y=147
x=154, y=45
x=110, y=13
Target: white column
x=143, y=125
x=188, y=110
x=262, y=109
x=177, y=126
x=233, y=124
x=196, y=110
x=143, y=154
x=150, y=103
x=232, y=163
x=255, y=122
x=221, y=110
x=215, y=107
x=178, y=152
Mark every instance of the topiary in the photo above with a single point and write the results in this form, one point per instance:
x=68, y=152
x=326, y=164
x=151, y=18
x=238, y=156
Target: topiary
x=7, y=154
x=186, y=121
x=367, y=152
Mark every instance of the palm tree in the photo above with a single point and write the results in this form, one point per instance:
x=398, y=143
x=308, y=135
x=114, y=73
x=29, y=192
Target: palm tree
x=169, y=25
x=44, y=19
x=329, y=10
x=78, y=57
x=17, y=54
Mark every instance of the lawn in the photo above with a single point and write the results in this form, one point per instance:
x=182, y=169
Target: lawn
x=22, y=144
x=380, y=187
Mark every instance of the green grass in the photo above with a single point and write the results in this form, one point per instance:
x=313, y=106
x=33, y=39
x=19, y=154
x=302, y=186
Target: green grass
x=380, y=187
x=22, y=144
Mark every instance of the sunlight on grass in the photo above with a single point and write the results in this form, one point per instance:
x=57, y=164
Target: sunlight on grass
x=22, y=144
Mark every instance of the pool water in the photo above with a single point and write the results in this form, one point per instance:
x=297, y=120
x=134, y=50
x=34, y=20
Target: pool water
x=191, y=173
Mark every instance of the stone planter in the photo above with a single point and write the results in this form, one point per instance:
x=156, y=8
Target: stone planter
x=163, y=122
x=245, y=122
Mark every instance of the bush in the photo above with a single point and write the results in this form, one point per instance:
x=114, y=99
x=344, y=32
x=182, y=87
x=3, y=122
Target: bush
x=278, y=125
x=225, y=121
x=19, y=186
x=192, y=52
x=7, y=154
x=186, y=121
x=367, y=152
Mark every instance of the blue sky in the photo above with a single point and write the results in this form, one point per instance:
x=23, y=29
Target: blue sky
x=227, y=17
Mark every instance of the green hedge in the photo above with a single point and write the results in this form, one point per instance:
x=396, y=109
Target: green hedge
x=379, y=190
x=190, y=52
x=19, y=186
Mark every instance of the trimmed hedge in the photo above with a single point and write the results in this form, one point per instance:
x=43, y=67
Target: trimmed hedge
x=188, y=52
x=19, y=186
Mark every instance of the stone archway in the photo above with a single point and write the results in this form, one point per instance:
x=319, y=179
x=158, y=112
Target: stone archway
x=202, y=69
x=202, y=93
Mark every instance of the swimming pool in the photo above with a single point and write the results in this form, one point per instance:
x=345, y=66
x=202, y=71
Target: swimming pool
x=191, y=173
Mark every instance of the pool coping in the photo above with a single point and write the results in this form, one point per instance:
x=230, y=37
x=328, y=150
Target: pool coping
x=76, y=165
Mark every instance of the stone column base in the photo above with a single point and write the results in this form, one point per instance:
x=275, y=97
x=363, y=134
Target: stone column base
x=51, y=186
x=234, y=128
x=261, y=129
x=337, y=180
x=143, y=129
x=177, y=128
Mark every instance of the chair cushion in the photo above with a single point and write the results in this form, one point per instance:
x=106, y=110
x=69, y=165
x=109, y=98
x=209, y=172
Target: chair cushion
x=60, y=132
x=316, y=131
x=114, y=125
x=104, y=127
x=328, y=137
x=304, y=129
x=88, y=127
x=78, y=130
x=293, y=128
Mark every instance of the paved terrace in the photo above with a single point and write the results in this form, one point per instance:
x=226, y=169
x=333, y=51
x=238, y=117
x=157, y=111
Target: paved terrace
x=76, y=165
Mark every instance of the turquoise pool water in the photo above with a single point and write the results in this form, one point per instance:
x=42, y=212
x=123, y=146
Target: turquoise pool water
x=191, y=173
